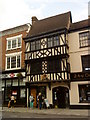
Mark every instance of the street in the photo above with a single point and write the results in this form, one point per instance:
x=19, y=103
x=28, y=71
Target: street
x=23, y=114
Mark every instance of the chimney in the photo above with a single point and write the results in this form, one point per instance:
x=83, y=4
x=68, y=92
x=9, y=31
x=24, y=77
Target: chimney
x=89, y=9
x=34, y=19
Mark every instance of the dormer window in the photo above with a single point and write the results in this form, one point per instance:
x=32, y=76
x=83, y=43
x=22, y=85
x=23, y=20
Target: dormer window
x=14, y=42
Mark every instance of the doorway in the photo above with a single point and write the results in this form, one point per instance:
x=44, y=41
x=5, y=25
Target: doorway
x=61, y=97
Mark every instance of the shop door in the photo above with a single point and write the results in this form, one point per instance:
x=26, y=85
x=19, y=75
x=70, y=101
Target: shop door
x=33, y=91
x=60, y=97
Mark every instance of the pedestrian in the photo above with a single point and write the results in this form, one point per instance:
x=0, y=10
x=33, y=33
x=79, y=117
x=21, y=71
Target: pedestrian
x=9, y=102
x=12, y=101
x=31, y=99
x=40, y=100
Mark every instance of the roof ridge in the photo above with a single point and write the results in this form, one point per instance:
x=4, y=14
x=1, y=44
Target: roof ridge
x=54, y=16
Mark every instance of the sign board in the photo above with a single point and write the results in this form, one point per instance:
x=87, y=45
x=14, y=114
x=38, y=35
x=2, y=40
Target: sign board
x=46, y=102
x=80, y=76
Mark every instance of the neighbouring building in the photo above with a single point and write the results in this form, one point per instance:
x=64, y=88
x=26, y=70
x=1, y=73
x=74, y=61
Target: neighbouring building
x=79, y=57
x=13, y=66
x=57, y=59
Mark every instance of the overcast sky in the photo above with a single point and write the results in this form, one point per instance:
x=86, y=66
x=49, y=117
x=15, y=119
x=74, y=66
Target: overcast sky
x=18, y=12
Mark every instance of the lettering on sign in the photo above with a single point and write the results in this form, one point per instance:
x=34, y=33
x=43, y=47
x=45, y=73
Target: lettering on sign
x=80, y=75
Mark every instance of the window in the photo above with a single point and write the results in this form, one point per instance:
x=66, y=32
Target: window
x=84, y=93
x=53, y=41
x=56, y=41
x=38, y=45
x=14, y=42
x=85, y=62
x=84, y=39
x=54, y=65
x=50, y=42
x=32, y=46
x=36, y=67
x=13, y=61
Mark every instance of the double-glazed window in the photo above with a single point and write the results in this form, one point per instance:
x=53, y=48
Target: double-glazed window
x=14, y=42
x=84, y=93
x=85, y=62
x=13, y=62
x=84, y=39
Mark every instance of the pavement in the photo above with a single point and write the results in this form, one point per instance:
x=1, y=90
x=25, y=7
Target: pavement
x=58, y=111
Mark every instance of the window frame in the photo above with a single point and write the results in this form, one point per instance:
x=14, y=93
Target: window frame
x=85, y=63
x=83, y=96
x=84, y=39
x=11, y=39
x=13, y=55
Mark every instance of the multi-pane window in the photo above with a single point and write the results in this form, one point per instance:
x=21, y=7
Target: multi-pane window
x=8, y=62
x=84, y=93
x=38, y=45
x=84, y=39
x=85, y=62
x=13, y=62
x=56, y=40
x=32, y=45
x=50, y=42
x=14, y=42
x=9, y=44
x=53, y=41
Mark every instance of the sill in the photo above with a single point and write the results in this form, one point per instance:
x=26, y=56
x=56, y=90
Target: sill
x=13, y=69
x=84, y=101
x=13, y=48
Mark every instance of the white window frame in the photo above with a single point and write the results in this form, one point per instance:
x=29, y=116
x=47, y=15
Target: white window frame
x=13, y=38
x=12, y=55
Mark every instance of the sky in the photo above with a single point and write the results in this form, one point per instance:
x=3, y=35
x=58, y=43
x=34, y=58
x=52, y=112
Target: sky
x=18, y=12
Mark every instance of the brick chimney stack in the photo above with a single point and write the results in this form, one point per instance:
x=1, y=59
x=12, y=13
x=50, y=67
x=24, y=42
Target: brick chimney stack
x=34, y=19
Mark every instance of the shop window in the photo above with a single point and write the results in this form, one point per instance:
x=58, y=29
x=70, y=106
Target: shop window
x=84, y=93
x=22, y=93
x=15, y=82
x=8, y=82
x=85, y=62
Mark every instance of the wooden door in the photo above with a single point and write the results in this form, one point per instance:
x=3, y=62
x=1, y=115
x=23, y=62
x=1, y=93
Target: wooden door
x=33, y=91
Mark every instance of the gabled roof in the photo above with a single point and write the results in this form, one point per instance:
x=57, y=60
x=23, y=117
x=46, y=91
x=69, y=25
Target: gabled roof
x=46, y=25
x=80, y=25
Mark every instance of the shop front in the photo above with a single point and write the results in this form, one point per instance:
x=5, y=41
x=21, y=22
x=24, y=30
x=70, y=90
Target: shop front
x=80, y=90
x=13, y=86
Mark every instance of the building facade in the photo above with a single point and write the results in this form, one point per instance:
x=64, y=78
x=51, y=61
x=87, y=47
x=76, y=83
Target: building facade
x=57, y=61
x=79, y=52
x=13, y=67
x=46, y=59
